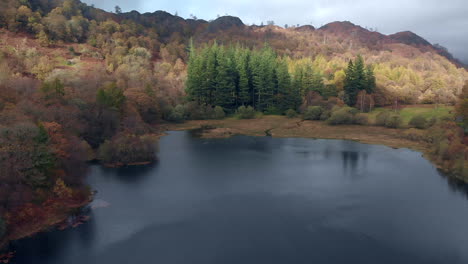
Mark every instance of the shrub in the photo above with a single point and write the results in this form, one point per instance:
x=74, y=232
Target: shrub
x=178, y=114
x=325, y=115
x=273, y=110
x=342, y=116
x=245, y=112
x=127, y=149
x=431, y=122
x=416, y=135
x=393, y=121
x=381, y=118
x=313, y=113
x=361, y=119
x=418, y=122
x=290, y=113
x=219, y=112
x=194, y=111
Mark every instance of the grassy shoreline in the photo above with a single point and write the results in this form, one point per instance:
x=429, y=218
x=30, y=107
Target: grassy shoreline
x=283, y=127
x=280, y=126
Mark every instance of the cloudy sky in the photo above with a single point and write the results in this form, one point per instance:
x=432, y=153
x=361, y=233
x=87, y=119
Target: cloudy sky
x=439, y=21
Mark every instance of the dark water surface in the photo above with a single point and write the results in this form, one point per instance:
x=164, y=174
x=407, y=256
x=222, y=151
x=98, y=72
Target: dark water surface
x=266, y=200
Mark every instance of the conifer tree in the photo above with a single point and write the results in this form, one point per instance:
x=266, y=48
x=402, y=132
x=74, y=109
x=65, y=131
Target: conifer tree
x=358, y=78
x=244, y=91
x=194, y=75
x=350, y=86
x=224, y=92
x=284, y=93
x=370, y=80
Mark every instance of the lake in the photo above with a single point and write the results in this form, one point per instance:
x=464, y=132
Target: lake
x=256, y=200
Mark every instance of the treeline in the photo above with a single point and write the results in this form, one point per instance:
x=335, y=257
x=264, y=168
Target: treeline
x=234, y=76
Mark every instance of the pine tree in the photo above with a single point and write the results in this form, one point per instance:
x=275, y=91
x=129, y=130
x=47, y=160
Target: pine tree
x=244, y=91
x=307, y=80
x=317, y=83
x=194, y=75
x=284, y=95
x=224, y=93
x=209, y=73
x=370, y=80
x=350, y=86
x=358, y=78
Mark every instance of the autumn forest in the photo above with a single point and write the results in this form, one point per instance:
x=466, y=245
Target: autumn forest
x=79, y=85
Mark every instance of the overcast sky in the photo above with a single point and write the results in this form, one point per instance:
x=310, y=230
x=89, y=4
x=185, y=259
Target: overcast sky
x=439, y=21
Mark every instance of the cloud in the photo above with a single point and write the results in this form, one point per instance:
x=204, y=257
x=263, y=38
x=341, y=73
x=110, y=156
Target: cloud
x=440, y=22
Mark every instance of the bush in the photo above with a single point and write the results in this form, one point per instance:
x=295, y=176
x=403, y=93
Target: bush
x=313, y=113
x=273, y=110
x=325, y=115
x=245, y=112
x=418, y=122
x=178, y=114
x=393, y=121
x=381, y=118
x=127, y=149
x=219, y=112
x=361, y=119
x=431, y=122
x=342, y=116
x=194, y=111
x=290, y=113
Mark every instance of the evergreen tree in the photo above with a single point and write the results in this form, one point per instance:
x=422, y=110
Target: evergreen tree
x=224, y=92
x=244, y=91
x=350, y=86
x=317, y=83
x=358, y=78
x=194, y=75
x=370, y=80
x=234, y=76
x=284, y=95
x=209, y=74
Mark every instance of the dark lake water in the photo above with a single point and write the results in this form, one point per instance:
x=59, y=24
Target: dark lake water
x=266, y=200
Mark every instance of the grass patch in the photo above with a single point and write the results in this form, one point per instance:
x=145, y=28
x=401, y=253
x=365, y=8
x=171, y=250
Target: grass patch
x=438, y=112
x=426, y=111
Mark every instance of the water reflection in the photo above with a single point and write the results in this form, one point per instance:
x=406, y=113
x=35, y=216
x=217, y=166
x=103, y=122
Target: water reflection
x=139, y=173
x=455, y=184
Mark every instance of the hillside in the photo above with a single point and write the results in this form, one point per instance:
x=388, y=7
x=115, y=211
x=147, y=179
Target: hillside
x=406, y=65
x=80, y=84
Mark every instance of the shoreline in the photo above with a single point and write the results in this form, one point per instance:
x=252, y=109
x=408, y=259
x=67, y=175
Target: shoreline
x=273, y=126
x=283, y=127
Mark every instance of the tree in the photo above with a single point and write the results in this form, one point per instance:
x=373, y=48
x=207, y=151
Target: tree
x=118, y=10
x=127, y=150
x=53, y=90
x=224, y=92
x=462, y=109
x=285, y=98
x=43, y=39
x=358, y=78
x=244, y=90
x=194, y=75
x=350, y=86
x=110, y=96
x=370, y=82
